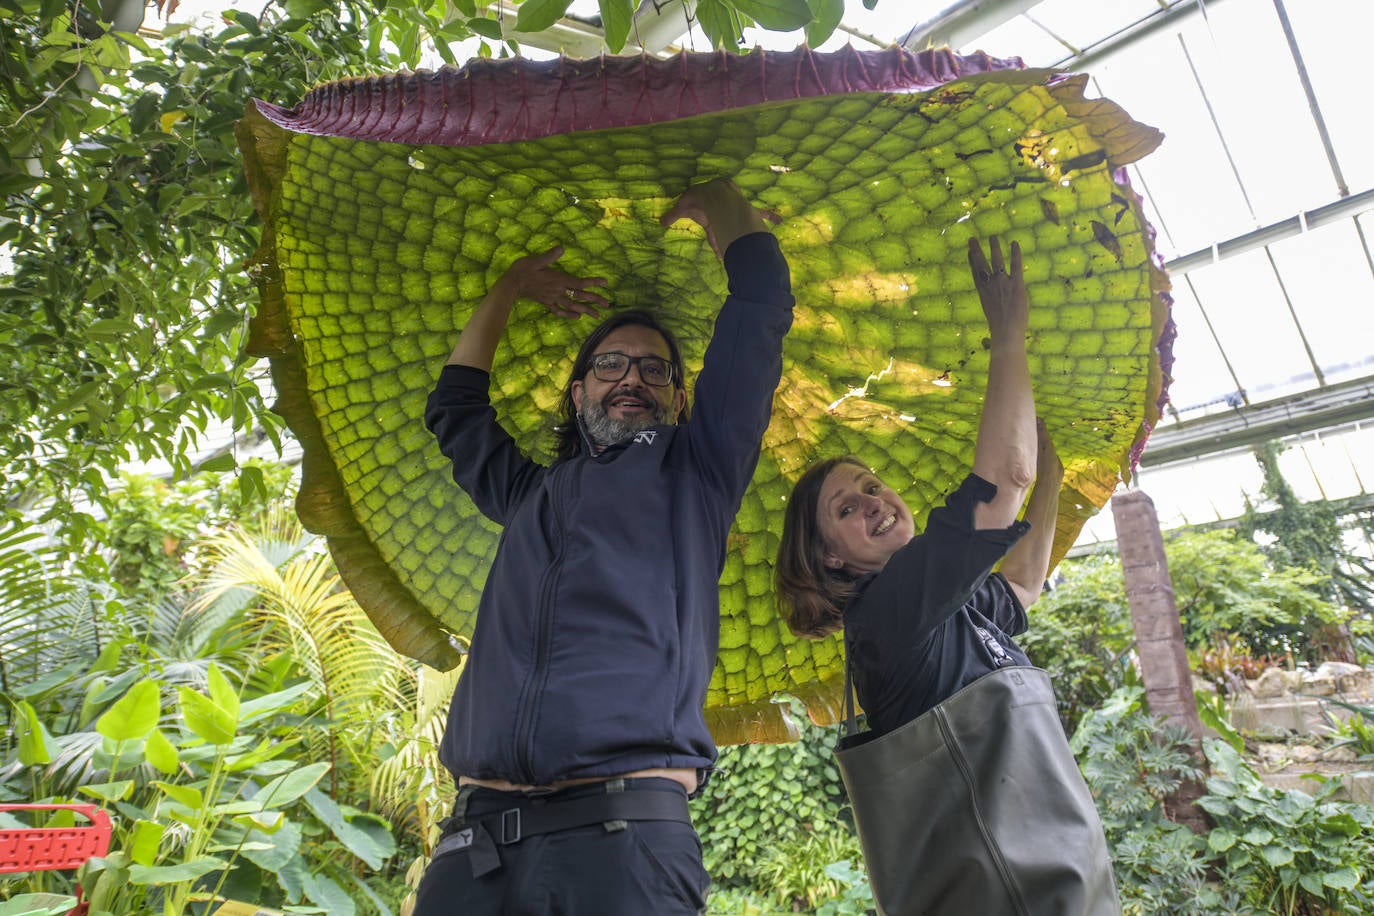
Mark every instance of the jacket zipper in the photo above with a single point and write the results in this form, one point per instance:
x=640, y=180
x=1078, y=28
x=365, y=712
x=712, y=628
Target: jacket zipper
x=538, y=676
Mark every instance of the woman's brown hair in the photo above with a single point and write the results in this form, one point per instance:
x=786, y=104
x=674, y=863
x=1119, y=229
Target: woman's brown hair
x=811, y=595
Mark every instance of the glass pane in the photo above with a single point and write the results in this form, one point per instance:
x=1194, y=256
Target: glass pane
x=1254, y=326
x=1329, y=281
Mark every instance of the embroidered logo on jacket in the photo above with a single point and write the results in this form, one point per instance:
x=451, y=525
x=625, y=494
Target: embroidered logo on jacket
x=646, y=436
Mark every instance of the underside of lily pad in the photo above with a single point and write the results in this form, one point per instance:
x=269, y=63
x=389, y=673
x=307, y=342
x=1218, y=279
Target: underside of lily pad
x=391, y=204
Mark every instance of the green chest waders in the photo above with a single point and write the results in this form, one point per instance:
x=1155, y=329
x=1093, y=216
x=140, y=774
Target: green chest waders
x=977, y=808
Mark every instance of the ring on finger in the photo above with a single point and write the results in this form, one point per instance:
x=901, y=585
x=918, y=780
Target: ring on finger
x=984, y=275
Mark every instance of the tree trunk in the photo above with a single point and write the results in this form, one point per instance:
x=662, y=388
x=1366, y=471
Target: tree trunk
x=1159, y=637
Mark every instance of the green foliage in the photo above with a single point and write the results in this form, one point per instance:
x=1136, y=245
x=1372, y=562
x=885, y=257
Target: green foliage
x=1132, y=762
x=1355, y=731
x=1225, y=585
x=1239, y=612
x=763, y=795
x=249, y=778
x=1291, y=852
x=1301, y=535
x=1269, y=850
x=855, y=897
x=128, y=220
x=1080, y=632
x=797, y=867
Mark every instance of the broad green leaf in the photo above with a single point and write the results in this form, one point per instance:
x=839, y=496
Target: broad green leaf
x=776, y=15
x=326, y=892
x=175, y=874
x=133, y=715
x=1221, y=839
x=207, y=719
x=108, y=791
x=271, y=704
x=1276, y=855
x=41, y=685
x=37, y=905
x=161, y=753
x=1343, y=879
x=616, y=18
x=719, y=23
x=382, y=247
x=261, y=757
x=288, y=787
x=828, y=14
x=366, y=836
x=144, y=841
x=538, y=15
x=36, y=746
x=487, y=28
x=268, y=822
x=1312, y=884
x=283, y=845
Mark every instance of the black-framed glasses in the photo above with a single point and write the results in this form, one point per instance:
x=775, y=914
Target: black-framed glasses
x=612, y=367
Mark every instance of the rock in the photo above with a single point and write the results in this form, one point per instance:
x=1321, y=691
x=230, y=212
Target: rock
x=1319, y=686
x=1335, y=670
x=1359, y=683
x=1270, y=683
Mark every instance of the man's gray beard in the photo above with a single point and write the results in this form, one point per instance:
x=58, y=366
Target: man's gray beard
x=605, y=431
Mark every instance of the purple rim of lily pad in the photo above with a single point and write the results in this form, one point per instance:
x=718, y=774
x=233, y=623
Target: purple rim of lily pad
x=514, y=99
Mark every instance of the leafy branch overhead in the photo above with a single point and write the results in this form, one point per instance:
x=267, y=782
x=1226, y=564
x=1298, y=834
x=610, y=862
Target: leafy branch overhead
x=391, y=203
x=723, y=21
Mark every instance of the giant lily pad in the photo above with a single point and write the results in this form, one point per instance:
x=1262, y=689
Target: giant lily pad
x=390, y=204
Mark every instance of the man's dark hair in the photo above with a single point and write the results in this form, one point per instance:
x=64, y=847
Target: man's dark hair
x=567, y=432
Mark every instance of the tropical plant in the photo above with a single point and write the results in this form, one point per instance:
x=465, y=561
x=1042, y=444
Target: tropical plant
x=1080, y=632
x=1355, y=730
x=764, y=794
x=1132, y=762
x=798, y=868
x=1312, y=535
x=270, y=631
x=1288, y=851
x=1228, y=663
x=1224, y=584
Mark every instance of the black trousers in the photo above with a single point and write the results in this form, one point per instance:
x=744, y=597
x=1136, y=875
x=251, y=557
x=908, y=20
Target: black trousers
x=643, y=868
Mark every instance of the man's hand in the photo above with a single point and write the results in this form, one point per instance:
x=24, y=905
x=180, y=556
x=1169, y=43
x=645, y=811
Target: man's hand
x=531, y=277
x=1002, y=294
x=719, y=207
x=534, y=277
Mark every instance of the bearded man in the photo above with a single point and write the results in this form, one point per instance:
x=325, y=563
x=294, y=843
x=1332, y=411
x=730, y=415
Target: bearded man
x=576, y=732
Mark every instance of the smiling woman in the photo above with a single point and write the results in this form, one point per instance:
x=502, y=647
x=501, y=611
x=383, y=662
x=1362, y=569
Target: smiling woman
x=964, y=747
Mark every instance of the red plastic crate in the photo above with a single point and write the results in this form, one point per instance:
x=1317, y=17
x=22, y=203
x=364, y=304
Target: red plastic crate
x=54, y=848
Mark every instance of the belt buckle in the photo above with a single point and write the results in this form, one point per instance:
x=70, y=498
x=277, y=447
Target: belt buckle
x=510, y=826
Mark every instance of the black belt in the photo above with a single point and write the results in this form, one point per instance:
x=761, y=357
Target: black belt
x=480, y=835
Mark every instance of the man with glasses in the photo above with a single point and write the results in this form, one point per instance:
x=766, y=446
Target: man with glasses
x=576, y=731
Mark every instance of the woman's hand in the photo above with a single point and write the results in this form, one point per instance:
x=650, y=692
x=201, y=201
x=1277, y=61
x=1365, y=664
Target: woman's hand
x=534, y=277
x=1002, y=293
